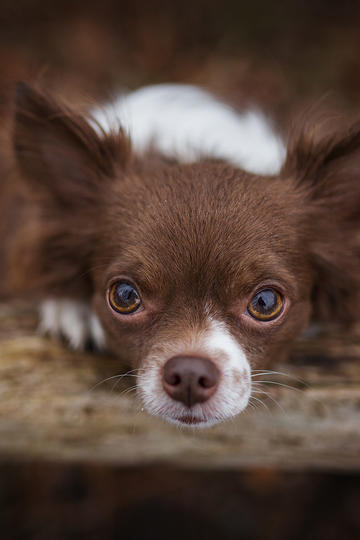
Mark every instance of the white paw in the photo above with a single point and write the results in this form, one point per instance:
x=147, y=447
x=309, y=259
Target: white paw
x=72, y=320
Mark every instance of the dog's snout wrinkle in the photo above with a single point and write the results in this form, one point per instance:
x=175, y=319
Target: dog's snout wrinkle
x=190, y=380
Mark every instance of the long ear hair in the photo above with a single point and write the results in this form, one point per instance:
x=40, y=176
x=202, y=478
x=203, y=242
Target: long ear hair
x=64, y=165
x=326, y=168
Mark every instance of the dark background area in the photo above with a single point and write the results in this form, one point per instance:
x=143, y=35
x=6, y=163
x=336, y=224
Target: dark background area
x=53, y=501
x=282, y=55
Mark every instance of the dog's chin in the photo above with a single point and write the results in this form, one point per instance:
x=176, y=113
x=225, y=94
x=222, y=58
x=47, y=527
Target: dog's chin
x=192, y=421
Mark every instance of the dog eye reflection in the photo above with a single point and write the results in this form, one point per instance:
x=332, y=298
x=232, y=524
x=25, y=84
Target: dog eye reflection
x=124, y=298
x=266, y=305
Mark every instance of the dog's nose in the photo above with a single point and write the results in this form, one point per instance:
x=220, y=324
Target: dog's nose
x=190, y=379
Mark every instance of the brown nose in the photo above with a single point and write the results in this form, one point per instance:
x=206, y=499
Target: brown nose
x=190, y=380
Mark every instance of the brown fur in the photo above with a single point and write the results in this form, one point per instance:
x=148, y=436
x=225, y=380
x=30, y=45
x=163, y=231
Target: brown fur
x=192, y=237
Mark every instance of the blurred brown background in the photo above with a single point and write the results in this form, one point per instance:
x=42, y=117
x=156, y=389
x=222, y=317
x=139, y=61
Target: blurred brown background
x=282, y=55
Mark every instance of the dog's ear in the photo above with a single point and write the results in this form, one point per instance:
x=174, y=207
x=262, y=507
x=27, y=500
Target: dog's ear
x=326, y=169
x=65, y=164
x=58, y=152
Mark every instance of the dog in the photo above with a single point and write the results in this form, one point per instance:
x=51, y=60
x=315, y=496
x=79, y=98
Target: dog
x=182, y=236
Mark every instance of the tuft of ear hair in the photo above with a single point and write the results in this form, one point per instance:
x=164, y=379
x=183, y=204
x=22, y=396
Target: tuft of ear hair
x=326, y=169
x=64, y=164
x=59, y=152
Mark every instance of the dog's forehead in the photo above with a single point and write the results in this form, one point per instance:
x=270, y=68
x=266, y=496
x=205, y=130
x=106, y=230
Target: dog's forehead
x=199, y=224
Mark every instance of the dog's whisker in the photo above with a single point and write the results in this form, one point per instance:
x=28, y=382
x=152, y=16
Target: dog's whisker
x=121, y=377
x=279, y=384
x=250, y=406
x=268, y=395
x=118, y=376
x=261, y=402
x=259, y=373
x=127, y=391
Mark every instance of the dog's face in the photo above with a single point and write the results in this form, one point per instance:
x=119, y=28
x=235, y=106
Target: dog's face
x=198, y=273
x=205, y=275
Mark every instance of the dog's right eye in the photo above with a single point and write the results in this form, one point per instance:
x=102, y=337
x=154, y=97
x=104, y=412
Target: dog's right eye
x=124, y=298
x=266, y=305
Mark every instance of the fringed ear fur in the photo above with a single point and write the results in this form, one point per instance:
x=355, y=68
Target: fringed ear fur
x=64, y=164
x=57, y=150
x=326, y=168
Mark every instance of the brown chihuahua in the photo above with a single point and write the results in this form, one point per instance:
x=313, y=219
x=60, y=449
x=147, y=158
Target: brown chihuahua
x=184, y=241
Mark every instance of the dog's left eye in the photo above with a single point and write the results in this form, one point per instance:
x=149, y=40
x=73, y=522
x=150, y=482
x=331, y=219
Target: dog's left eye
x=266, y=305
x=124, y=298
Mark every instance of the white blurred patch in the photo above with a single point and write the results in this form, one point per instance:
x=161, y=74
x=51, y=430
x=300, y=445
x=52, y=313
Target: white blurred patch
x=186, y=122
x=72, y=320
x=232, y=394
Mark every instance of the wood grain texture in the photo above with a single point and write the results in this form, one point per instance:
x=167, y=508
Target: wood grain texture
x=53, y=407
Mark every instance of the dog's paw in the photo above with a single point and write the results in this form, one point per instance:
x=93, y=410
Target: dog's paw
x=73, y=321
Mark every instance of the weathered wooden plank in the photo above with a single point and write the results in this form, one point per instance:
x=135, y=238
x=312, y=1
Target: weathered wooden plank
x=50, y=407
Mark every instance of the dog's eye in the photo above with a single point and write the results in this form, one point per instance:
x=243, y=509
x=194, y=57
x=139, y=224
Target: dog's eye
x=266, y=305
x=124, y=298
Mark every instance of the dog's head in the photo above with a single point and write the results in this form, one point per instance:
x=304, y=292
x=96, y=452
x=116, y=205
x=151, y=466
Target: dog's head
x=199, y=273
